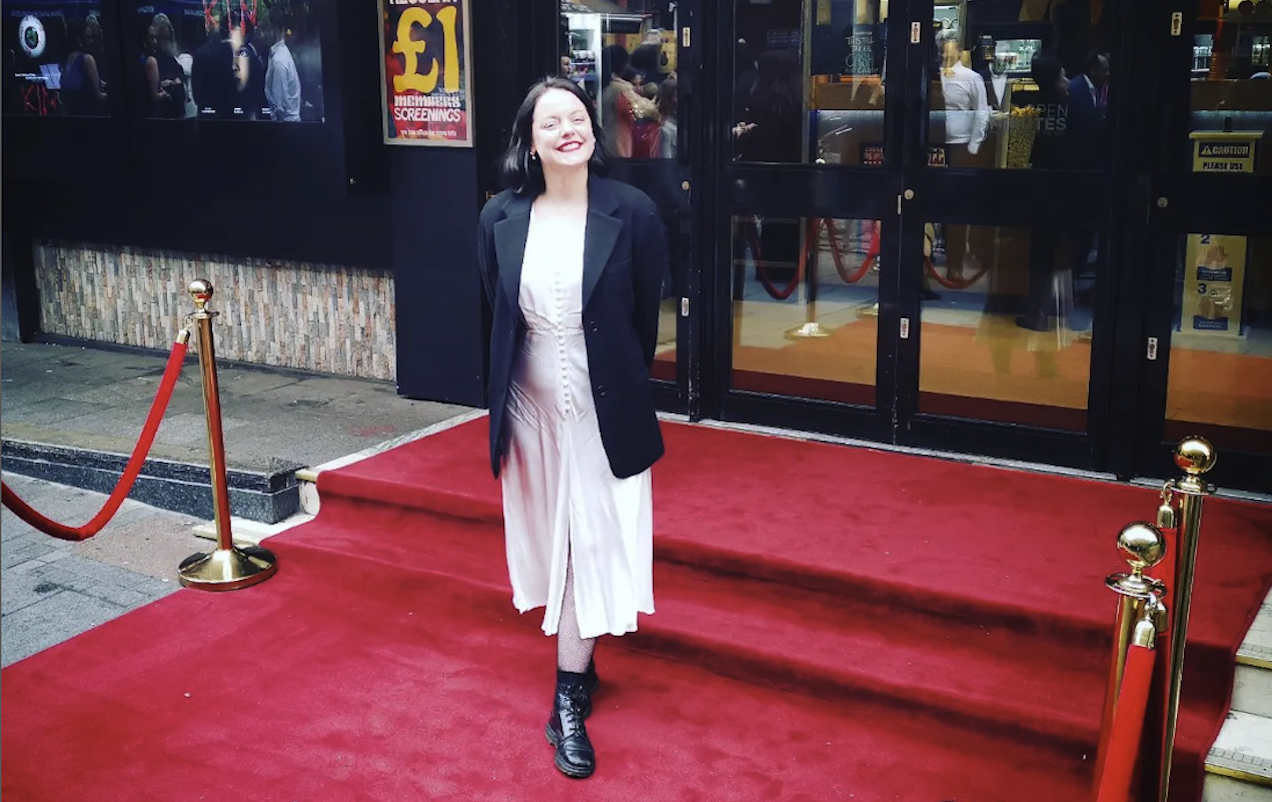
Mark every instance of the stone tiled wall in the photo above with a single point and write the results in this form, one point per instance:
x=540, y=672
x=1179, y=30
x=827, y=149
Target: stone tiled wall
x=324, y=318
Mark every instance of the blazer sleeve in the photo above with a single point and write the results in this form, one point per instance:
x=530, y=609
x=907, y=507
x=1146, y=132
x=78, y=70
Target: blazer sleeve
x=649, y=265
x=487, y=263
x=488, y=268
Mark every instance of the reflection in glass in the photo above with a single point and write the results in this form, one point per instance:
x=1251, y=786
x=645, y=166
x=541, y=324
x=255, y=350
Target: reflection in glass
x=664, y=366
x=1037, y=100
x=55, y=60
x=1231, y=89
x=1221, y=347
x=626, y=62
x=1010, y=341
x=231, y=61
x=805, y=319
x=808, y=81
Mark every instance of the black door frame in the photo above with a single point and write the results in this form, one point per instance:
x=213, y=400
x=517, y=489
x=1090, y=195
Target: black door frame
x=1177, y=202
x=796, y=190
x=1096, y=198
x=939, y=196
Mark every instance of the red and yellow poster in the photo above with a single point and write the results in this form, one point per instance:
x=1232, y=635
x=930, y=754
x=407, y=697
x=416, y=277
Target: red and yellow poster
x=427, y=75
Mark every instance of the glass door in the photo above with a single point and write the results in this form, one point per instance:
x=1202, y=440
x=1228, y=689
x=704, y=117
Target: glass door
x=915, y=240
x=1009, y=250
x=805, y=227
x=636, y=61
x=1207, y=354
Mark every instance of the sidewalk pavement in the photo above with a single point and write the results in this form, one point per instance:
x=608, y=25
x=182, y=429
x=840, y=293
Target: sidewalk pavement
x=97, y=399
x=55, y=589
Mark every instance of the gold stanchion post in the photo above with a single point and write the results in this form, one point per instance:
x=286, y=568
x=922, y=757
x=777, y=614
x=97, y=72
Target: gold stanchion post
x=1196, y=456
x=1139, y=599
x=229, y=567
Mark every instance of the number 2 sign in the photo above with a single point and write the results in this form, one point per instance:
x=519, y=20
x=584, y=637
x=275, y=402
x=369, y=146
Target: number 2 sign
x=426, y=73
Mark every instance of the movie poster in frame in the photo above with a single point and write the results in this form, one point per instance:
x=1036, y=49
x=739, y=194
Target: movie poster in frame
x=426, y=72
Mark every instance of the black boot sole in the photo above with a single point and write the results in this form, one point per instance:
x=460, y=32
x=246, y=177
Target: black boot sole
x=575, y=772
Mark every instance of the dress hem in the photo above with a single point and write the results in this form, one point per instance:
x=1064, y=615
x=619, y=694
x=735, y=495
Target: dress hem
x=553, y=630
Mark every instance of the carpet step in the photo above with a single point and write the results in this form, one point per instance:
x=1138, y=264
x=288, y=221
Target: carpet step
x=391, y=685
x=477, y=504
x=800, y=640
x=900, y=536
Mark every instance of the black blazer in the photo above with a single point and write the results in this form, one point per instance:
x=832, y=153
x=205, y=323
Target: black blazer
x=624, y=260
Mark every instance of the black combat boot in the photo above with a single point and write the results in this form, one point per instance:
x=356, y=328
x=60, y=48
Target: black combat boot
x=566, y=730
x=591, y=679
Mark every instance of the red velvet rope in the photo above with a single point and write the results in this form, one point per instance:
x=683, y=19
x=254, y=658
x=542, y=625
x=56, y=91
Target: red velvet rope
x=860, y=272
x=1128, y=726
x=953, y=283
x=133, y=469
x=761, y=270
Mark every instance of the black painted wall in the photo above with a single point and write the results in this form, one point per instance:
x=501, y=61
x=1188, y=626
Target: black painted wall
x=330, y=192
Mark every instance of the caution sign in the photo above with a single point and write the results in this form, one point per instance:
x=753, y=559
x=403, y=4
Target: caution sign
x=1225, y=151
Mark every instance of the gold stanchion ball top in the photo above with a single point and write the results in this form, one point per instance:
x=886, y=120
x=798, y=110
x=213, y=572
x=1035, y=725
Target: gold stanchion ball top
x=201, y=291
x=1195, y=455
x=1142, y=545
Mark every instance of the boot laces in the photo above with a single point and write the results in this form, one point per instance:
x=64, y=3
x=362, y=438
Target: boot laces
x=576, y=700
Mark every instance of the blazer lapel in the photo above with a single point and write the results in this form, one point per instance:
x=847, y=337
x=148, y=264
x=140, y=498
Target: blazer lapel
x=601, y=234
x=510, y=247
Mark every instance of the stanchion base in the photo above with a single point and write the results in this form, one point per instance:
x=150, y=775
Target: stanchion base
x=807, y=331
x=228, y=569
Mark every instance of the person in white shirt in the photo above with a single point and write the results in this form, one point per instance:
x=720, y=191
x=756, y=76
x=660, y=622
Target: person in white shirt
x=967, y=111
x=282, y=80
x=967, y=118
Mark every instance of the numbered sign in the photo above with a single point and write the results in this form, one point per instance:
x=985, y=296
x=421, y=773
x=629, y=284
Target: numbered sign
x=426, y=72
x=1214, y=283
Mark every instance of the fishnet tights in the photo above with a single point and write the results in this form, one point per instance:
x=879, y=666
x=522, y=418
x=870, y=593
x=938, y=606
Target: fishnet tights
x=573, y=651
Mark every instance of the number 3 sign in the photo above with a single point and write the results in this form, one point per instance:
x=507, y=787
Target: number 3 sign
x=426, y=73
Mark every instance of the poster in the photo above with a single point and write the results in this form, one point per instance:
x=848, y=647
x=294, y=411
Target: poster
x=426, y=72
x=1214, y=272
x=1214, y=264
x=55, y=59
x=252, y=60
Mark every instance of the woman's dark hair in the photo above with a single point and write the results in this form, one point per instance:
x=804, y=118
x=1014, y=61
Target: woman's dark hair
x=614, y=59
x=523, y=174
x=75, y=29
x=777, y=87
x=1045, y=69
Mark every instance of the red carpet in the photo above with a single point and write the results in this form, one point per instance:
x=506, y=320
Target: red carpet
x=832, y=623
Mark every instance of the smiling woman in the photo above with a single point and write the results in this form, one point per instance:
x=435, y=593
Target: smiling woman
x=572, y=265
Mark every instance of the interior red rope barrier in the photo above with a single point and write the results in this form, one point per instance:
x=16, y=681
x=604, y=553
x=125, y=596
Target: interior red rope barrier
x=836, y=251
x=131, y=471
x=761, y=269
x=954, y=283
x=1128, y=726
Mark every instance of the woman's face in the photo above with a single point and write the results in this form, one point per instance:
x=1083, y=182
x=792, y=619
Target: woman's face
x=561, y=132
x=242, y=69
